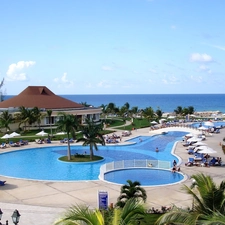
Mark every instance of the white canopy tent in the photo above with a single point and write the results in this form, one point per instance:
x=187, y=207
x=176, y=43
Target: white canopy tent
x=14, y=134
x=42, y=133
x=6, y=136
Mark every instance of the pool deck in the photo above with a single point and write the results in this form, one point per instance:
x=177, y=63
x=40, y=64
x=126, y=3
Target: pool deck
x=42, y=202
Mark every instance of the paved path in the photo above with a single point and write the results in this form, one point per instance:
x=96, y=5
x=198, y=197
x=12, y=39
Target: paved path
x=42, y=202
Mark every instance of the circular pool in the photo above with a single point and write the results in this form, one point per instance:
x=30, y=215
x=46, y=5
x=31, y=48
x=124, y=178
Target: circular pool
x=146, y=176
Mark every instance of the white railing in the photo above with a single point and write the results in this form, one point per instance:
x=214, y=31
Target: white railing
x=135, y=163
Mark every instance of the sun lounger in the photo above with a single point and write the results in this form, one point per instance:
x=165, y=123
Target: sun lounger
x=13, y=144
x=191, y=162
x=39, y=141
x=3, y=145
x=2, y=183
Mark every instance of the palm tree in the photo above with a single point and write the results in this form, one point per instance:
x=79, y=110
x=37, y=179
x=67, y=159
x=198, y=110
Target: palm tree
x=68, y=123
x=49, y=114
x=208, y=203
x=178, y=110
x=26, y=116
x=1, y=94
x=37, y=115
x=91, y=136
x=6, y=119
x=131, y=190
x=159, y=113
x=148, y=113
x=131, y=213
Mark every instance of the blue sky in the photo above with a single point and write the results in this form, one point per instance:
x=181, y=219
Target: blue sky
x=113, y=46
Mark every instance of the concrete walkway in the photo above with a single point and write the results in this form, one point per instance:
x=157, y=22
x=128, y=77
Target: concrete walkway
x=42, y=202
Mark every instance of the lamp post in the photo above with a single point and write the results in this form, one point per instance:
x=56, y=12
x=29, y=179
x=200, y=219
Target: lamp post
x=15, y=217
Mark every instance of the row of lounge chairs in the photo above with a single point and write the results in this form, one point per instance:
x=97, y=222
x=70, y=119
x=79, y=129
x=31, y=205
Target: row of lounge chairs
x=14, y=144
x=43, y=141
x=65, y=140
x=203, y=162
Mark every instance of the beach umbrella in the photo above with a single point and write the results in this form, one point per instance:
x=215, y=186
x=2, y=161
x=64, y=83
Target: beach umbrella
x=14, y=134
x=171, y=117
x=189, y=135
x=42, y=133
x=154, y=122
x=206, y=150
x=209, y=124
x=6, y=136
x=199, y=143
x=203, y=128
x=61, y=133
x=194, y=139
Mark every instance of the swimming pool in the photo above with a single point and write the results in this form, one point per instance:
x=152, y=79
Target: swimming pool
x=216, y=124
x=145, y=176
x=42, y=163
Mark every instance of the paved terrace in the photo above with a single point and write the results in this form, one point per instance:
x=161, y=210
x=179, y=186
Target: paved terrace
x=42, y=202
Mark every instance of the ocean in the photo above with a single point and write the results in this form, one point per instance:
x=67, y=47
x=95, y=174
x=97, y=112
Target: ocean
x=166, y=102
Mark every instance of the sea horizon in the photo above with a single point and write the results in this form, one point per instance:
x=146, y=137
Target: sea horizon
x=165, y=102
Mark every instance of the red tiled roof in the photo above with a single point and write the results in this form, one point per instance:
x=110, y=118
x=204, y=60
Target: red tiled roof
x=41, y=97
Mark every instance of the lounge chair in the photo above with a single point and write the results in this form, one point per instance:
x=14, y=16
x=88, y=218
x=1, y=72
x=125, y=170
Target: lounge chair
x=13, y=144
x=2, y=183
x=3, y=145
x=191, y=162
x=39, y=141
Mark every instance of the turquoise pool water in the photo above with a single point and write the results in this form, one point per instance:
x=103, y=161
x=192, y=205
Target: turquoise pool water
x=146, y=177
x=217, y=124
x=42, y=163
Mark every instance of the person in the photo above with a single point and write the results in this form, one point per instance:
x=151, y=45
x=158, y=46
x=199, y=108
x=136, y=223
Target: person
x=174, y=162
x=174, y=169
x=157, y=150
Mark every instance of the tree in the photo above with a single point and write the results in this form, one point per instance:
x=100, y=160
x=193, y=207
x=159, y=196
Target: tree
x=208, y=203
x=1, y=94
x=49, y=114
x=178, y=110
x=37, y=115
x=111, y=108
x=148, y=113
x=91, y=136
x=130, y=214
x=68, y=123
x=159, y=113
x=26, y=116
x=6, y=119
x=131, y=190
x=191, y=110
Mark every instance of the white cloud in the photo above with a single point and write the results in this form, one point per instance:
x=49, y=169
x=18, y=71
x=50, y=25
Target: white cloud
x=171, y=80
x=219, y=47
x=107, y=68
x=204, y=68
x=15, y=70
x=63, y=80
x=197, y=79
x=173, y=27
x=153, y=71
x=197, y=57
x=104, y=84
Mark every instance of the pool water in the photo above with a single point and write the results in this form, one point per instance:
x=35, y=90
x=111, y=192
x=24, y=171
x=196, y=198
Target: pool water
x=216, y=124
x=146, y=176
x=42, y=163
